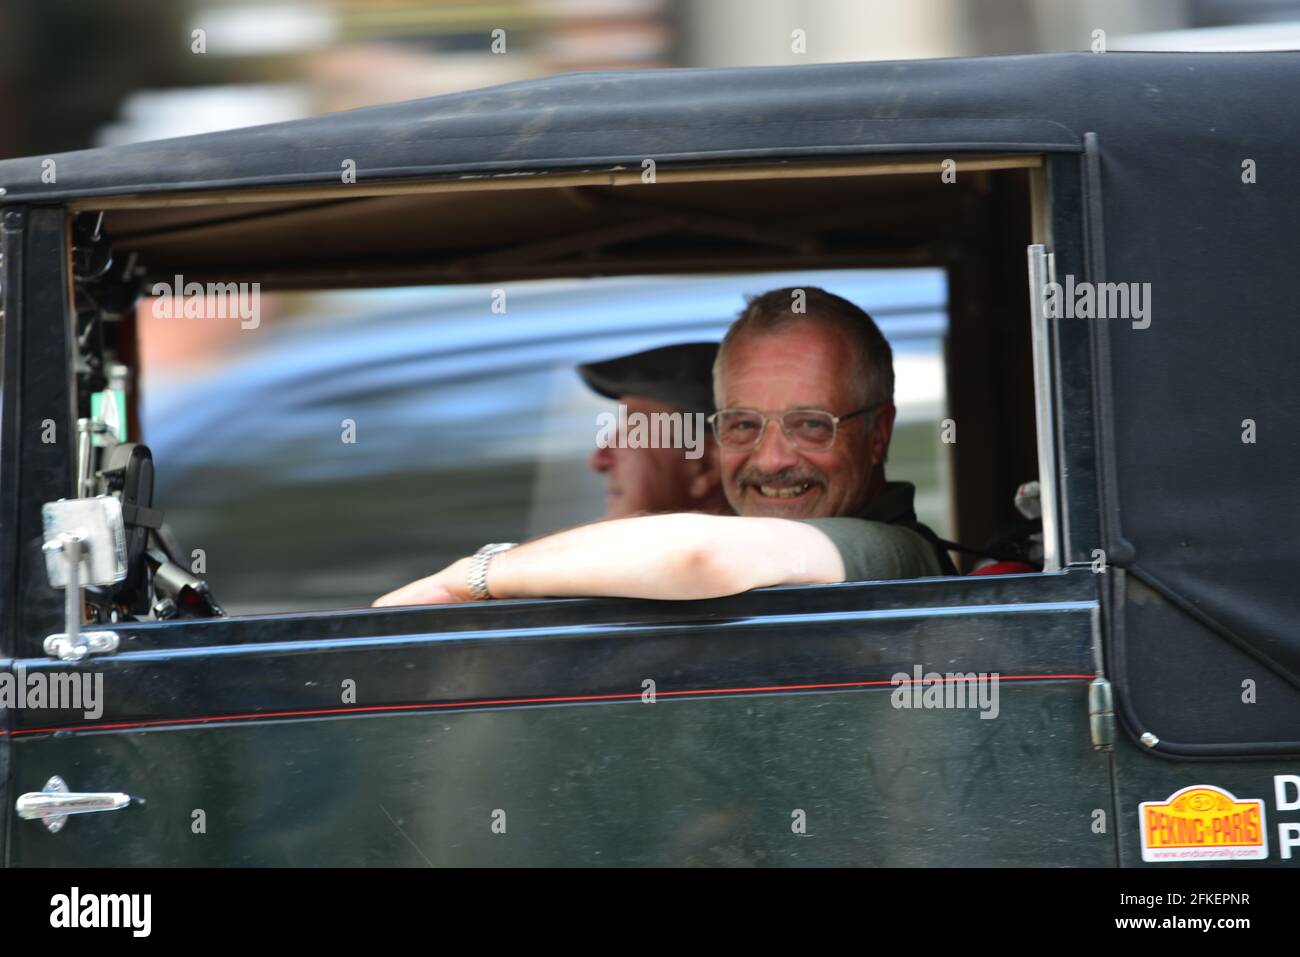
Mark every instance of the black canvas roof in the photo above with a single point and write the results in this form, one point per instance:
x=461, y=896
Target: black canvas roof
x=1162, y=101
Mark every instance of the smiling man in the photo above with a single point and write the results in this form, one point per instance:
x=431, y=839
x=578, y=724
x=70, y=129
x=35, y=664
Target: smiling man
x=804, y=385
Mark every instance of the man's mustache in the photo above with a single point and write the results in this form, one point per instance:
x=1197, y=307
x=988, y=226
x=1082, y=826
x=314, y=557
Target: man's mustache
x=794, y=475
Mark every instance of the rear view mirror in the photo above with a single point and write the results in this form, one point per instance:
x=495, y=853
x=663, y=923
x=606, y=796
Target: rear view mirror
x=95, y=526
x=85, y=544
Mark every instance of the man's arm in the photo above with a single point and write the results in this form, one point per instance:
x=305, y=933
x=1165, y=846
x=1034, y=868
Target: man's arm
x=684, y=555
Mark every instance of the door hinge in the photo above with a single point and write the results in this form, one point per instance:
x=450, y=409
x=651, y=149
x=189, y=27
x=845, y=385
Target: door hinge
x=1101, y=714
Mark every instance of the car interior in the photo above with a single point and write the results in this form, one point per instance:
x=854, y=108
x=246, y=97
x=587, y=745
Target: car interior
x=639, y=245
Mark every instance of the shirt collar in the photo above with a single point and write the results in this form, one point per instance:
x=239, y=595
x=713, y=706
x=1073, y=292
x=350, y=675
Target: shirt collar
x=893, y=504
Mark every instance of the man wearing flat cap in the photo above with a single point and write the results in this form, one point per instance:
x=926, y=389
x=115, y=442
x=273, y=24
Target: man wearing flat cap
x=804, y=385
x=668, y=394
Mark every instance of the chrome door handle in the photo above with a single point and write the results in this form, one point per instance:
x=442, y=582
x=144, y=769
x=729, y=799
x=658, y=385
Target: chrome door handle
x=54, y=804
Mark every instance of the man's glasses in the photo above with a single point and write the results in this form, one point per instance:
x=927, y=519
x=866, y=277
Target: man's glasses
x=809, y=430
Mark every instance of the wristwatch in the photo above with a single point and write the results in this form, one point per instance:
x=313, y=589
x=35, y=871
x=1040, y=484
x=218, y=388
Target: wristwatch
x=478, y=566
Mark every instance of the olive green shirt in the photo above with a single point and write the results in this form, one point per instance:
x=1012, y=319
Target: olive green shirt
x=876, y=544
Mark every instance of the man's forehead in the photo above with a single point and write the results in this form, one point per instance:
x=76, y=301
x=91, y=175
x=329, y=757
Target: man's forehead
x=812, y=360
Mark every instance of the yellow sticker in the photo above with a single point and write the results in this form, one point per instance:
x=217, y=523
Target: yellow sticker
x=1203, y=823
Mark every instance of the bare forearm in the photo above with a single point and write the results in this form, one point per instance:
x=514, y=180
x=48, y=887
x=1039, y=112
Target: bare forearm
x=677, y=556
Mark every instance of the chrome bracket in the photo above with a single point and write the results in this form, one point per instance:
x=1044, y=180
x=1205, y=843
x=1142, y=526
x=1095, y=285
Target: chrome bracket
x=74, y=644
x=83, y=643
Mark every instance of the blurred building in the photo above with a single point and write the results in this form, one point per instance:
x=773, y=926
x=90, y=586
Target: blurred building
x=75, y=73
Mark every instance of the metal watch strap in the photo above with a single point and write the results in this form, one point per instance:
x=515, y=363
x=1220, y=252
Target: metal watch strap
x=478, y=567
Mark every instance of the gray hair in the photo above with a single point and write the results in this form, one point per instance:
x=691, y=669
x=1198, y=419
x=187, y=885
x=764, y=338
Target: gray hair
x=776, y=310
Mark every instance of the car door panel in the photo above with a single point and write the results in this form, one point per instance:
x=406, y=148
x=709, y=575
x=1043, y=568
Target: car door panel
x=396, y=737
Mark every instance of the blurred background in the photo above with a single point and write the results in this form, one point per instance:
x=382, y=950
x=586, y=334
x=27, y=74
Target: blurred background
x=474, y=427
x=77, y=73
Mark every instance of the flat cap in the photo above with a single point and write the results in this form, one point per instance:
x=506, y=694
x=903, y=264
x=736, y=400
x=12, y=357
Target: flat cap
x=680, y=375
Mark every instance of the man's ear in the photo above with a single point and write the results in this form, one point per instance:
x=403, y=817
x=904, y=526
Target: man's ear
x=882, y=431
x=704, y=475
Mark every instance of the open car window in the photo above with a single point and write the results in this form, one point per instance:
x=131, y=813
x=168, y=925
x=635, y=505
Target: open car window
x=351, y=441
x=330, y=420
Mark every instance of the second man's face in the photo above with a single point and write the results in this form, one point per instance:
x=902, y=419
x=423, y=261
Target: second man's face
x=810, y=367
x=645, y=480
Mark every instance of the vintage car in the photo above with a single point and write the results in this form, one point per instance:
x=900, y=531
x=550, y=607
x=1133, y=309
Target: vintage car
x=1117, y=236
